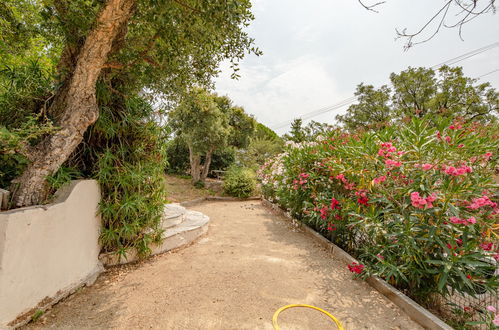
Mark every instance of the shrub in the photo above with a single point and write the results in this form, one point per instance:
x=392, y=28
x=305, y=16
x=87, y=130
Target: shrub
x=239, y=182
x=416, y=204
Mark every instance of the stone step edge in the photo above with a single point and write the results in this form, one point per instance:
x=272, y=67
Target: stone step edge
x=109, y=259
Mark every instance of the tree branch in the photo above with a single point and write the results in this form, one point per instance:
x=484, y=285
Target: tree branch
x=371, y=7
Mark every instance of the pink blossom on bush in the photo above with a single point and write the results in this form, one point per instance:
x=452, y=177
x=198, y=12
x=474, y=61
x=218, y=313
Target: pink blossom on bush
x=335, y=204
x=487, y=156
x=420, y=202
x=481, y=202
x=496, y=320
x=460, y=145
x=323, y=212
x=486, y=246
x=392, y=163
x=448, y=139
x=356, y=268
x=491, y=308
x=451, y=170
x=380, y=179
x=426, y=167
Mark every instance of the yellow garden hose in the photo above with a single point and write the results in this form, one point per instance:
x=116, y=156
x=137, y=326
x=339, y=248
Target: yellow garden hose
x=276, y=314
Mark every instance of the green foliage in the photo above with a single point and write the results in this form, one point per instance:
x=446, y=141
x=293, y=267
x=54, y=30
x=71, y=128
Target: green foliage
x=297, y=133
x=416, y=204
x=124, y=151
x=239, y=182
x=446, y=93
x=372, y=109
x=63, y=176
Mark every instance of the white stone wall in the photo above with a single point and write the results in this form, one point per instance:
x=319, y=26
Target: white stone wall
x=48, y=251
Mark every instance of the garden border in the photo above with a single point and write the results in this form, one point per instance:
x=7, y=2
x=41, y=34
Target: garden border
x=415, y=311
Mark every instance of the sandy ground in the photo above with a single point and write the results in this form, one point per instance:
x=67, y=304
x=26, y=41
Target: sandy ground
x=249, y=264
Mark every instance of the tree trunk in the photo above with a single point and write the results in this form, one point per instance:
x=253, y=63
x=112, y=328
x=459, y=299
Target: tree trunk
x=206, y=166
x=195, y=161
x=76, y=106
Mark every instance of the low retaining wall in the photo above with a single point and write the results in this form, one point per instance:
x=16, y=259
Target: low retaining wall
x=409, y=306
x=48, y=251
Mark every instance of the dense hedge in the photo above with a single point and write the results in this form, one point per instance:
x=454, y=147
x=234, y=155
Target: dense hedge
x=239, y=182
x=416, y=204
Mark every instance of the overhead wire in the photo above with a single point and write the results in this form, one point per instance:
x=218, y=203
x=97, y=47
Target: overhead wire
x=352, y=99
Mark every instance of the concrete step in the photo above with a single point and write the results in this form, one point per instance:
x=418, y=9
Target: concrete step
x=173, y=214
x=192, y=225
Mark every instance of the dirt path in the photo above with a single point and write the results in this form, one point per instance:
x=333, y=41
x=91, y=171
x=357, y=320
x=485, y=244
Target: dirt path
x=250, y=263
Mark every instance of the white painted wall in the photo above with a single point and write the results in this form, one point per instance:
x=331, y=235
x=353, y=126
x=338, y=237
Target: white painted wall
x=49, y=250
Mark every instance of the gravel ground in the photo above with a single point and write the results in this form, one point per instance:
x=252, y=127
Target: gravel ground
x=249, y=264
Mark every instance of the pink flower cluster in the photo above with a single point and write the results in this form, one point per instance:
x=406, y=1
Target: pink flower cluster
x=356, y=268
x=425, y=167
x=481, y=202
x=451, y=170
x=346, y=184
x=390, y=163
x=302, y=179
x=362, y=197
x=323, y=212
x=420, y=202
x=456, y=220
x=386, y=149
x=380, y=179
x=335, y=204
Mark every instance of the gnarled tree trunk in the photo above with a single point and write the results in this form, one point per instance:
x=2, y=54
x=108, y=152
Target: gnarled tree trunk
x=75, y=105
x=206, y=165
x=195, y=162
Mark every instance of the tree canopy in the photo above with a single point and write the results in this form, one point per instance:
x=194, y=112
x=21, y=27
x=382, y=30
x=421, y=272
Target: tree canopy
x=208, y=122
x=419, y=92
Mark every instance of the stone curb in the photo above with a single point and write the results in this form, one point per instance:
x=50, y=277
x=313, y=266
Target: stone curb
x=415, y=311
x=218, y=198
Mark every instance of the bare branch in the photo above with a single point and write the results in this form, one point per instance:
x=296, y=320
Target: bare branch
x=371, y=7
x=468, y=11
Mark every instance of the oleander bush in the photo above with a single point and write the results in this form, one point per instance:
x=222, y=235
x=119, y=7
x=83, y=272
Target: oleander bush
x=239, y=182
x=416, y=204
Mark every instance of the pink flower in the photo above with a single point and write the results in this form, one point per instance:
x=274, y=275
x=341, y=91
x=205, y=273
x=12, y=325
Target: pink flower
x=460, y=145
x=427, y=167
x=417, y=201
x=491, y=308
x=448, y=139
x=496, y=320
x=420, y=202
x=363, y=200
x=471, y=220
x=335, y=204
x=455, y=220
x=486, y=246
x=340, y=177
x=451, y=170
x=487, y=156
x=481, y=202
x=323, y=212
x=392, y=163
x=380, y=179
x=380, y=256
x=356, y=268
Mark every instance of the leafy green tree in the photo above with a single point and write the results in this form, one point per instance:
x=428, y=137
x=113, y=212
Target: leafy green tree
x=207, y=123
x=420, y=92
x=125, y=46
x=297, y=133
x=373, y=108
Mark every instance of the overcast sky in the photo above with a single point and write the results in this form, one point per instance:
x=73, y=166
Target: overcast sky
x=317, y=51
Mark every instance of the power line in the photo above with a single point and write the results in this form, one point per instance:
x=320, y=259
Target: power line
x=486, y=74
x=352, y=99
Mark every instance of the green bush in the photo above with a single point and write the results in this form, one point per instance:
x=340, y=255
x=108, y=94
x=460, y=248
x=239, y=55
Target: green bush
x=416, y=203
x=239, y=182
